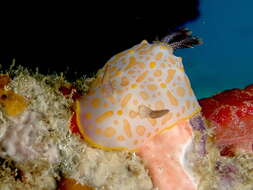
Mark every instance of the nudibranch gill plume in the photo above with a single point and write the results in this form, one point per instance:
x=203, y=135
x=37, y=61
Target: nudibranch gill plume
x=139, y=93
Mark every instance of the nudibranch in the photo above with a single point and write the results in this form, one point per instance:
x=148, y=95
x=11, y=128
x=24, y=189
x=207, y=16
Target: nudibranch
x=138, y=94
x=142, y=101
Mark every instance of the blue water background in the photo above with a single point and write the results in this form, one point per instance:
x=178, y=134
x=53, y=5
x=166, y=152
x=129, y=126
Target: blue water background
x=225, y=60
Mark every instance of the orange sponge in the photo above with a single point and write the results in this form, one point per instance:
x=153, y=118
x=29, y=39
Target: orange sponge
x=12, y=103
x=70, y=184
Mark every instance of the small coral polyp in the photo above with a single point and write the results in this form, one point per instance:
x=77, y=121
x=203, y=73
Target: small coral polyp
x=138, y=94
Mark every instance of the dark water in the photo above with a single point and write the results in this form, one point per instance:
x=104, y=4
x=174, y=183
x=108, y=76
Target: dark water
x=79, y=39
x=225, y=60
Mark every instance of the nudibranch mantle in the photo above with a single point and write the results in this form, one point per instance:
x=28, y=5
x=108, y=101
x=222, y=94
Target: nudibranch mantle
x=138, y=94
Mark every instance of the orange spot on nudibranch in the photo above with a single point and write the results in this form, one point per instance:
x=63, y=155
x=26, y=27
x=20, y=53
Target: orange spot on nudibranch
x=157, y=73
x=127, y=128
x=163, y=47
x=152, y=64
x=133, y=114
x=144, y=95
x=119, y=112
x=96, y=102
x=166, y=118
x=171, y=73
x=152, y=122
x=141, y=77
x=152, y=87
x=134, y=86
x=187, y=82
x=159, y=55
x=104, y=116
x=141, y=65
x=163, y=85
x=112, y=69
x=124, y=81
x=172, y=98
x=98, y=131
x=159, y=105
x=171, y=60
x=87, y=115
x=180, y=91
x=133, y=62
x=120, y=138
x=140, y=130
x=111, y=99
x=109, y=132
x=131, y=72
x=118, y=91
x=130, y=51
x=125, y=100
x=116, y=74
x=136, y=142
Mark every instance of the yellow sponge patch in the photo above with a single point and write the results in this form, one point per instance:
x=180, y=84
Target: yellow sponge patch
x=12, y=103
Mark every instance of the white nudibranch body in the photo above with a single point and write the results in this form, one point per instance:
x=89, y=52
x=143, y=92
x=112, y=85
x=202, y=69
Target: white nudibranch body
x=139, y=93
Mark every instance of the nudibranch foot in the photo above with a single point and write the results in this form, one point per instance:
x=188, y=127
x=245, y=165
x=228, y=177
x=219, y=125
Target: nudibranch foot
x=164, y=156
